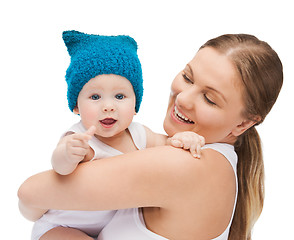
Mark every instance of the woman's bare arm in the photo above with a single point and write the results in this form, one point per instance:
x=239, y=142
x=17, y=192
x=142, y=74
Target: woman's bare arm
x=30, y=213
x=158, y=177
x=148, y=177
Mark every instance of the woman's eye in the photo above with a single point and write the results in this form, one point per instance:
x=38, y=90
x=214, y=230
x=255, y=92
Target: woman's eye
x=95, y=97
x=119, y=96
x=208, y=100
x=187, y=79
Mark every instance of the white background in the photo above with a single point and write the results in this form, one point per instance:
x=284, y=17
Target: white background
x=33, y=91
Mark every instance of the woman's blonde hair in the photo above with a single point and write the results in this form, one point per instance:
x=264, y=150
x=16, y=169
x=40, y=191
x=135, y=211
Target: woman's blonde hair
x=261, y=72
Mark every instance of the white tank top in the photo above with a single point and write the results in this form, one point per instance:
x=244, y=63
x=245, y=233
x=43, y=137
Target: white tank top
x=128, y=224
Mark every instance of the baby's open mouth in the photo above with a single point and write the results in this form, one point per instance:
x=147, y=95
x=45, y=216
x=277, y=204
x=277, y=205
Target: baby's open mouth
x=107, y=122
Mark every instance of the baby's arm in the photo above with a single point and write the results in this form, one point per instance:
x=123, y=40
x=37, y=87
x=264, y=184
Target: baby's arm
x=71, y=150
x=188, y=140
x=154, y=139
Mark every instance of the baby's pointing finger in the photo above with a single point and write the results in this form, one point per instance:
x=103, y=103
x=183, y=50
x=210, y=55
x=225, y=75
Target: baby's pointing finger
x=91, y=131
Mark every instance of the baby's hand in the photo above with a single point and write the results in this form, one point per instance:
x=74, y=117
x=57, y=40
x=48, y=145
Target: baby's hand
x=188, y=140
x=77, y=145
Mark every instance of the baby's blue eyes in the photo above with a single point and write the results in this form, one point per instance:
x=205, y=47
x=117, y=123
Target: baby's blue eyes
x=119, y=96
x=95, y=97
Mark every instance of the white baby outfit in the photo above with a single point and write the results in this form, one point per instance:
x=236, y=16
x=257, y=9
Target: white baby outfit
x=90, y=222
x=128, y=224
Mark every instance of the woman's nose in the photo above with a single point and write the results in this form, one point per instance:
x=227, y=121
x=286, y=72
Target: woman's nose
x=185, y=99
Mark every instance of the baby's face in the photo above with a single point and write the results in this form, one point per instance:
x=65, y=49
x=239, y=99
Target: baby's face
x=108, y=103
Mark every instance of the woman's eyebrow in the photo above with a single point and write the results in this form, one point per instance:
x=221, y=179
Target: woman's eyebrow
x=189, y=69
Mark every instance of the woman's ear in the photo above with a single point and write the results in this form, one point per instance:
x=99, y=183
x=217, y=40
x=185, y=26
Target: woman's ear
x=76, y=110
x=246, y=124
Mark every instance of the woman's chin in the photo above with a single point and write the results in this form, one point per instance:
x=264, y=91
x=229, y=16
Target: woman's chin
x=168, y=127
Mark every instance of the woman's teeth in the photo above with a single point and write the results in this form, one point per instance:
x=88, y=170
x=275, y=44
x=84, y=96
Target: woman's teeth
x=181, y=116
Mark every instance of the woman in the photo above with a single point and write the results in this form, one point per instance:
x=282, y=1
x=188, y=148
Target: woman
x=224, y=91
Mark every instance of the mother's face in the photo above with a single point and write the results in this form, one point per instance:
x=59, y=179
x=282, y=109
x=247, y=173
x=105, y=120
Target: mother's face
x=206, y=98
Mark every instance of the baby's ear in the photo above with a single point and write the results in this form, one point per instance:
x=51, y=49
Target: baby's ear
x=76, y=110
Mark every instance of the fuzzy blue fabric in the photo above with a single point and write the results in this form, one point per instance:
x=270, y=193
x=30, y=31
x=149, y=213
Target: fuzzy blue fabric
x=93, y=55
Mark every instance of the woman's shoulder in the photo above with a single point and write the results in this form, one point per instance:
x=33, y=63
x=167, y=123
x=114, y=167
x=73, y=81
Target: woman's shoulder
x=214, y=194
x=201, y=190
x=189, y=176
x=214, y=157
x=227, y=150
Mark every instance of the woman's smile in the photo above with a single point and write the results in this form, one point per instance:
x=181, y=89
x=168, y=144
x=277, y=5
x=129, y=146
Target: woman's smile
x=180, y=117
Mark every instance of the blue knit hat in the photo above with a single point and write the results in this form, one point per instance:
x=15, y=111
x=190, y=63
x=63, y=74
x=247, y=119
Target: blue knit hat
x=93, y=55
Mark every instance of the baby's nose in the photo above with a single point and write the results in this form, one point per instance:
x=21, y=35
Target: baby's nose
x=108, y=108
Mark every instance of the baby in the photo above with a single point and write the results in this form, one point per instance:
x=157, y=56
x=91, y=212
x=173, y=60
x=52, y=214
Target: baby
x=105, y=88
